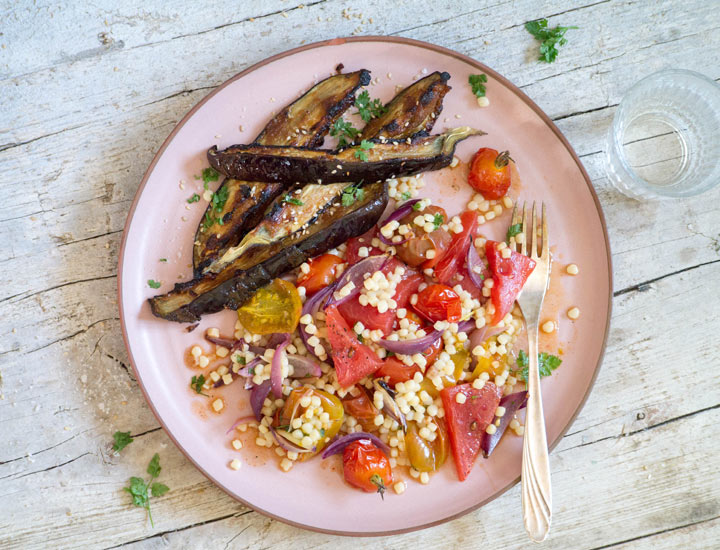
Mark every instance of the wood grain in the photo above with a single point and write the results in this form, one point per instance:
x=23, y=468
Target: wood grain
x=88, y=95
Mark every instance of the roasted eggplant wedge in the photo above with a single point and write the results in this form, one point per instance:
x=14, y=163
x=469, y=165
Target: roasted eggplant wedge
x=383, y=160
x=303, y=123
x=334, y=224
x=413, y=110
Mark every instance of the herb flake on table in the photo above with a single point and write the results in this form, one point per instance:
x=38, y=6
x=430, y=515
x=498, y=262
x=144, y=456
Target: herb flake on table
x=547, y=363
x=122, y=440
x=368, y=108
x=550, y=38
x=477, y=84
x=142, y=491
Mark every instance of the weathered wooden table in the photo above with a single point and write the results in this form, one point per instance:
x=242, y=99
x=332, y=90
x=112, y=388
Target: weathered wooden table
x=87, y=95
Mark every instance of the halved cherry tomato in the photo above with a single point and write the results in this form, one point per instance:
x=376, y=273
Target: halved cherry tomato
x=353, y=311
x=396, y=371
x=467, y=421
x=414, y=251
x=454, y=258
x=490, y=173
x=361, y=408
x=424, y=455
x=273, y=308
x=323, y=271
x=366, y=467
x=509, y=276
x=353, y=246
x=439, y=303
x=292, y=409
x=353, y=360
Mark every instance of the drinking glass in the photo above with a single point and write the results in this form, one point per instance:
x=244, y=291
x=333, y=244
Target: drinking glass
x=665, y=138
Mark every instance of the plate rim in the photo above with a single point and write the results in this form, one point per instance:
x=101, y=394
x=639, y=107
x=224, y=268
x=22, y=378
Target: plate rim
x=335, y=42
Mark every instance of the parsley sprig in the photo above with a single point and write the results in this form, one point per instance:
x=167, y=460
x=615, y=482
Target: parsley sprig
x=122, y=440
x=547, y=363
x=361, y=150
x=477, y=84
x=550, y=38
x=352, y=193
x=141, y=491
x=368, y=108
x=344, y=131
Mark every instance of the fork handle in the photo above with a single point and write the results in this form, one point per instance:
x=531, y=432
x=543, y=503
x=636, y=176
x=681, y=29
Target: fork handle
x=536, y=492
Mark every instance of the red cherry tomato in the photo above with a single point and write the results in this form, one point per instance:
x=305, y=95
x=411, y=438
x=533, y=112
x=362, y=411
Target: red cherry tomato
x=439, y=303
x=366, y=467
x=454, y=259
x=490, y=173
x=323, y=271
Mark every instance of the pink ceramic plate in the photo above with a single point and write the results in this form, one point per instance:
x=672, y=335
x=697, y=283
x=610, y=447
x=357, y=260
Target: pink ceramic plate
x=313, y=495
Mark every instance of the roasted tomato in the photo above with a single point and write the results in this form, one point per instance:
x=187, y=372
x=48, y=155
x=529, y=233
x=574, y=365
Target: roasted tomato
x=294, y=409
x=323, y=271
x=414, y=251
x=366, y=467
x=361, y=408
x=490, y=173
x=353, y=360
x=353, y=246
x=439, y=303
x=467, y=420
x=353, y=311
x=509, y=276
x=455, y=257
x=424, y=455
x=396, y=371
x=273, y=308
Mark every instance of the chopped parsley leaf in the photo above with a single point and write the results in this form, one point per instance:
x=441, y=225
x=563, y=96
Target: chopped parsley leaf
x=154, y=284
x=122, y=440
x=477, y=84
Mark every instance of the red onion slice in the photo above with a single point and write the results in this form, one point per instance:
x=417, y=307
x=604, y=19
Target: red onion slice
x=276, y=377
x=512, y=403
x=311, y=306
x=339, y=444
x=399, y=213
x=257, y=398
x=241, y=420
x=356, y=275
x=304, y=367
x=288, y=445
x=474, y=261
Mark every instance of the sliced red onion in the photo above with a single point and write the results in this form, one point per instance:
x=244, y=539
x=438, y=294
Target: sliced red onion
x=276, y=376
x=418, y=345
x=257, y=397
x=512, y=403
x=401, y=212
x=304, y=367
x=339, y=444
x=356, y=275
x=288, y=445
x=311, y=306
x=241, y=420
x=474, y=261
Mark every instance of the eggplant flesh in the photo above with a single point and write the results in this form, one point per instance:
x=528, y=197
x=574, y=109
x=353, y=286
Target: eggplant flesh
x=303, y=123
x=259, y=265
x=387, y=159
x=414, y=110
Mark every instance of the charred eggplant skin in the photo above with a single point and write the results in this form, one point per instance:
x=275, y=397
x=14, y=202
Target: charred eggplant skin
x=233, y=286
x=412, y=111
x=303, y=123
x=314, y=112
x=384, y=160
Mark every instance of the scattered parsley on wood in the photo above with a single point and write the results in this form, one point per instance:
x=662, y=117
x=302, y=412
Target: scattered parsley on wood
x=122, y=440
x=550, y=38
x=344, y=131
x=477, y=84
x=154, y=284
x=368, y=108
x=141, y=491
x=197, y=383
x=351, y=194
x=514, y=229
x=361, y=150
x=547, y=363
x=194, y=198
x=292, y=200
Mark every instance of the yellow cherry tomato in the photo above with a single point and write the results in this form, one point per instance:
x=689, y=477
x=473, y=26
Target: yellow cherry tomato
x=273, y=308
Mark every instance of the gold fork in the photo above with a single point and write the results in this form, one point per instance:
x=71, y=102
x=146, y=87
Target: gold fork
x=535, y=480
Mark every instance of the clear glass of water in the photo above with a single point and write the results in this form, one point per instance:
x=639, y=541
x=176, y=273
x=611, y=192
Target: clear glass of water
x=665, y=138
